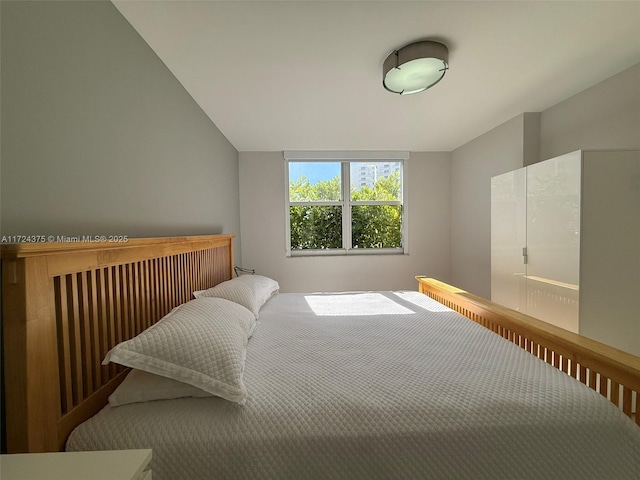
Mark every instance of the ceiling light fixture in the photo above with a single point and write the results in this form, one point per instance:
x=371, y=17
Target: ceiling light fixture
x=415, y=67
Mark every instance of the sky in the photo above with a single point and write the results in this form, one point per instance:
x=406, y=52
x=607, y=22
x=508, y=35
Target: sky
x=314, y=171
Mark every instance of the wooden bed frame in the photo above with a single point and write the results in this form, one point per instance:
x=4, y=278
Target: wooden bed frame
x=613, y=373
x=66, y=304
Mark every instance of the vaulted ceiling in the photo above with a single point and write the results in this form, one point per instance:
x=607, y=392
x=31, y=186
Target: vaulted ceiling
x=308, y=74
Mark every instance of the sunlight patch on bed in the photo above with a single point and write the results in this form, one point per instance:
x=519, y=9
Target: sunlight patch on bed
x=354, y=304
x=422, y=301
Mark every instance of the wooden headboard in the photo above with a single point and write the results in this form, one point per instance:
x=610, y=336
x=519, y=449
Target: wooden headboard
x=66, y=304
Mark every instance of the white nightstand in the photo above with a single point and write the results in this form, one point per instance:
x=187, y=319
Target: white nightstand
x=103, y=465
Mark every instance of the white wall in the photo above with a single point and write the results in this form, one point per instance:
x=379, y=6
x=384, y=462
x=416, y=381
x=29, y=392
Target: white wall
x=472, y=166
x=262, y=226
x=605, y=116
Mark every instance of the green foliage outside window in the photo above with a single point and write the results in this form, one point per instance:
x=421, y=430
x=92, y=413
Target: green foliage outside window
x=316, y=227
x=376, y=226
x=320, y=227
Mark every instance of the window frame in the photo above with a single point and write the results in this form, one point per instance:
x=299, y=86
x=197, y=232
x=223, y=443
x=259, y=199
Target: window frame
x=346, y=159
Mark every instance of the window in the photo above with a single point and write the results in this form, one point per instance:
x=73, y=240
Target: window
x=345, y=206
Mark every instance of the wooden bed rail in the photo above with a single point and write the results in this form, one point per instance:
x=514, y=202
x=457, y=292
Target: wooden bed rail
x=64, y=305
x=613, y=373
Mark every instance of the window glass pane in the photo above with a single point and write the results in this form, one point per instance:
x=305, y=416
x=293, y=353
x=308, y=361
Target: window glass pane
x=314, y=181
x=376, y=181
x=315, y=227
x=376, y=226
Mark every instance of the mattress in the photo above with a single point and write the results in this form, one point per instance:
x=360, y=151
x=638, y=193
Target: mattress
x=379, y=385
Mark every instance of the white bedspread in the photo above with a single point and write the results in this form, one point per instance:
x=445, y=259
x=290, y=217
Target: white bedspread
x=400, y=388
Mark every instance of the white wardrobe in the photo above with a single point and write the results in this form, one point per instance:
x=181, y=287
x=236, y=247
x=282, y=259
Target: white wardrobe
x=565, y=244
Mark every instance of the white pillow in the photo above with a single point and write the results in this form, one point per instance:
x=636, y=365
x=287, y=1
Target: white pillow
x=201, y=343
x=141, y=386
x=263, y=287
x=235, y=291
x=250, y=291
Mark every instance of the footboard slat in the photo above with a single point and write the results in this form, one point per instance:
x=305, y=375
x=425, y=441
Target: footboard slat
x=604, y=386
x=611, y=372
x=548, y=356
x=615, y=393
x=592, y=380
x=626, y=400
x=565, y=365
x=574, y=370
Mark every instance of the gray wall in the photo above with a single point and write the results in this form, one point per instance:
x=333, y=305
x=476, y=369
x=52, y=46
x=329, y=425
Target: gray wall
x=262, y=214
x=605, y=116
x=98, y=137
x=500, y=150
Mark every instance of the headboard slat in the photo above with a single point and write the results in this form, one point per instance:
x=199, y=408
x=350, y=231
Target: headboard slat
x=75, y=351
x=87, y=341
x=96, y=329
x=103, y=321
x=62, y=316
x=66, y=305
x=111, y=315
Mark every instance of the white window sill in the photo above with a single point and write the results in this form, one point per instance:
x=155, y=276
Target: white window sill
x=347, y=253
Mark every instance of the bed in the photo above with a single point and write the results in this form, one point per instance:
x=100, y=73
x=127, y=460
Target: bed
x=349, y=385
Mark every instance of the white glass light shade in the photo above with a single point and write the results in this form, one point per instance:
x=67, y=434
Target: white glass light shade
x=415, y=68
